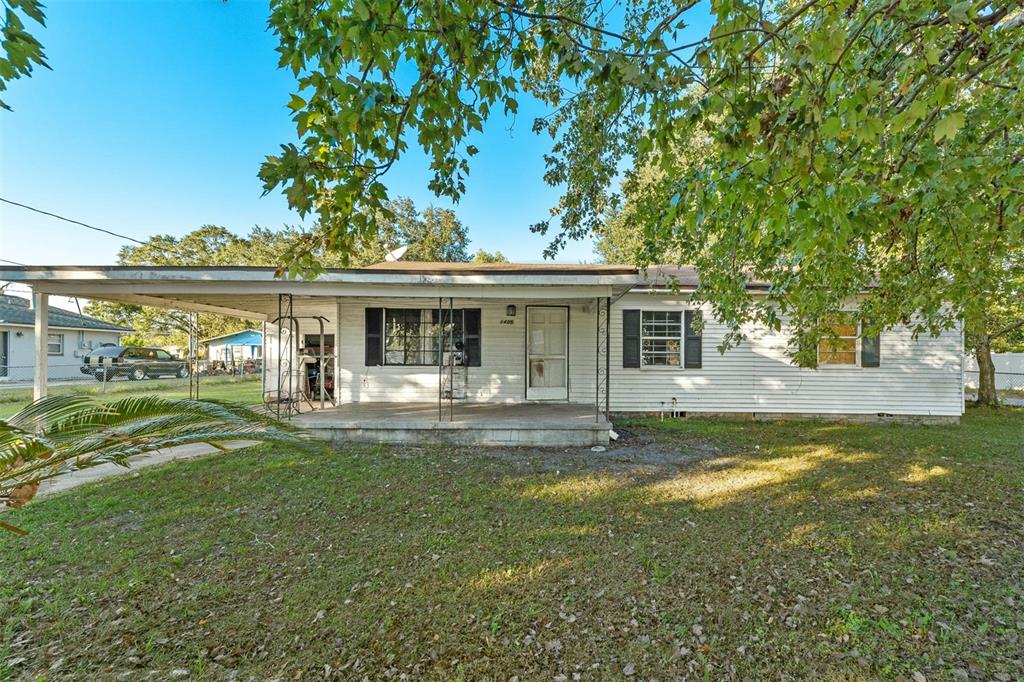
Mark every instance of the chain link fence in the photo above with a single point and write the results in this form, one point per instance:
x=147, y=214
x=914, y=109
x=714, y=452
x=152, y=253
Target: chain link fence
x=1009, y=386
x=23, y=376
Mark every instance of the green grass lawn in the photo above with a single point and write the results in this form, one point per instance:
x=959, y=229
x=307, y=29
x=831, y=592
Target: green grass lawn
x=244, y=390
x=718, y=550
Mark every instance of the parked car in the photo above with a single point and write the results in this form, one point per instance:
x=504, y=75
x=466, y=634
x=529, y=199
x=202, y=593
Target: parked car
x=133, y=362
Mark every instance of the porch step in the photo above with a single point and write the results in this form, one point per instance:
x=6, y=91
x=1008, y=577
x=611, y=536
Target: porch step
x=455, y=433
x=474, y=424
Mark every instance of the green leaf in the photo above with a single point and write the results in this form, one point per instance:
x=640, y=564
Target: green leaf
x=958, y=13
x=754, y=127
x=947, y=127
x=296, y=103
x=362, y=10
x=831, y=127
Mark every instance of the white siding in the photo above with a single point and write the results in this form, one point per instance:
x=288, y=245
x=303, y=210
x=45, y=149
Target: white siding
x=21, y=353
x=916, y=377
x=921, y=377
x=500, y=378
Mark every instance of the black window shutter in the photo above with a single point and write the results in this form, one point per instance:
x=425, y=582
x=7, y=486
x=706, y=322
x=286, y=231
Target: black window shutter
x=692, y=355
x=471, y=336
x=374, y=337
x=630, y=338
x=870, y=348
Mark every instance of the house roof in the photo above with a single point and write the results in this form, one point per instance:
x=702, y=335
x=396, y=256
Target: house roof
x=443, y=268
x=682, y=276
x=18, y=310
x=253, y=335
x=257, y=292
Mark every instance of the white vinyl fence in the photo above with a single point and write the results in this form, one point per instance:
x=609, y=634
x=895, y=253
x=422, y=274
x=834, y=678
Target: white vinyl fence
x=1009, y=372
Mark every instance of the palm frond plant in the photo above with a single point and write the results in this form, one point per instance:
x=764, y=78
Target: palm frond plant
x=58, y=435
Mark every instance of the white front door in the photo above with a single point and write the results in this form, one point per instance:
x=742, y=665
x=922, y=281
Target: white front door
x=547, y=353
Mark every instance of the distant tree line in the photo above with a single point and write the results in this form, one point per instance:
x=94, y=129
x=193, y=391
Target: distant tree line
x=433, y=234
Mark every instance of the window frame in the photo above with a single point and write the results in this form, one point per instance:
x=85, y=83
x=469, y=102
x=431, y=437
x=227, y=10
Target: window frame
x=458, y=313
x=60, y=342
x=681, y=339
x=858, y=338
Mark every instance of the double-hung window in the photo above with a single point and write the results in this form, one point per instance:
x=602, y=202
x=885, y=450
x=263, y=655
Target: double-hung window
x=661, y=333
x=55, y=344
x=848, y=346
x=413, y=335
x=421, y=336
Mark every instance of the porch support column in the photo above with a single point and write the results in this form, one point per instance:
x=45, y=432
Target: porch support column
x=440, y=356
x=602, y=342
x=41, y=305
x=608, y=359
x=337, y=351
x=597, y=360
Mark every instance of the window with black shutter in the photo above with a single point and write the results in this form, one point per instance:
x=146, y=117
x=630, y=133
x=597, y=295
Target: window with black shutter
x=471, y=337
x=374, y=337
x=870, y=347
x=630, y=338
x=414, y=336
x=692, y=353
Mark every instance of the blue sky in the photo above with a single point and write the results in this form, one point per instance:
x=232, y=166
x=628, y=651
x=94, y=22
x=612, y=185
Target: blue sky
x=155, y=119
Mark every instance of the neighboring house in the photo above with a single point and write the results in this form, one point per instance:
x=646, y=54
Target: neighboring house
x=71, y=336
x=236, y=348
x=564, y=339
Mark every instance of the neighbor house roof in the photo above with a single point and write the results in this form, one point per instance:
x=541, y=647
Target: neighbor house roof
x=243, y=337
x=18, y=311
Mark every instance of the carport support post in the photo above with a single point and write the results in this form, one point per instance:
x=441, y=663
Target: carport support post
x=337, y=350
x=41, y=304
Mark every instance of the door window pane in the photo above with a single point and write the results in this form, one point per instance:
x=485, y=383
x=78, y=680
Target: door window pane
x=547, y=373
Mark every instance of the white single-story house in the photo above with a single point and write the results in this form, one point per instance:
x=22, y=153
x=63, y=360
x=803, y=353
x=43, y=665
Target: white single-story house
x=236, y=348
x=520, y=353
x=70, y=336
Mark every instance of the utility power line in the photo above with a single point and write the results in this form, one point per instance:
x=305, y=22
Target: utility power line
x=12, y=262
x=73, y=222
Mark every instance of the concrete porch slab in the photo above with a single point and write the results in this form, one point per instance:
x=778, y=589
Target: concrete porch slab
x=528, y=424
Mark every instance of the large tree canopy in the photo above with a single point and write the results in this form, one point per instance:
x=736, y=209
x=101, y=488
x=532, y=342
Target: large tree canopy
x=433, y=234
x=851, y=145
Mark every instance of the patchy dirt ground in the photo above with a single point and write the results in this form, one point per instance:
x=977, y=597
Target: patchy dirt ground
x=633, y=453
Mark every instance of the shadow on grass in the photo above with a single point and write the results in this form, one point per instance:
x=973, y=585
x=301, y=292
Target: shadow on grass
x=798, y=549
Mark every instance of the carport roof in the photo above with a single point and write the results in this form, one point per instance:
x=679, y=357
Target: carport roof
x=253, y=292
